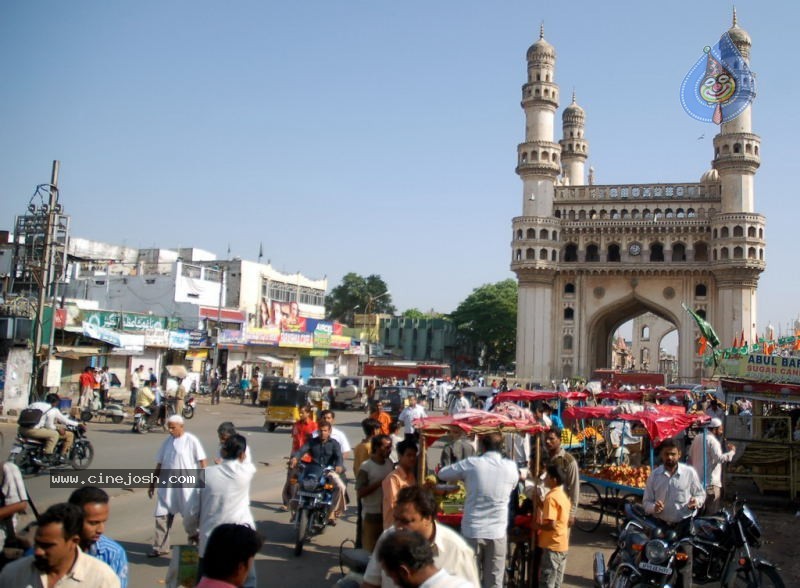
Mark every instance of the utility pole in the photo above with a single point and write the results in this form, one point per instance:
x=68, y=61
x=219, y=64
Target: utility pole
x=46, y=277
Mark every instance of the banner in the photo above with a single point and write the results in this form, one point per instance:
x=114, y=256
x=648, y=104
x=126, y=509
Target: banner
x=269, y=335
x=302, y=340
x=179, y=339
x=763, y=368
x=120, y=321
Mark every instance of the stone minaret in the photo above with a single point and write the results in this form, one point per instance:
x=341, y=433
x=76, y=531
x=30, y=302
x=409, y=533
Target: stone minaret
x=737, y=230
x=574, y=147
x=535, y=248
x=538, y=157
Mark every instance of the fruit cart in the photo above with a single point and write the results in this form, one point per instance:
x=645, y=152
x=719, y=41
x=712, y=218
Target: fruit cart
x=604, y=491
x=451, y=497
x=583, y=442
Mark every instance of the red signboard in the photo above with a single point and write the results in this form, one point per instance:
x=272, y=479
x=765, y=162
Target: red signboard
x=225, y=314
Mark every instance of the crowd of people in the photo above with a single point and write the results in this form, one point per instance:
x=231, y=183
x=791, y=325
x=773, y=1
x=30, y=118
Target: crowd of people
x=396, y=512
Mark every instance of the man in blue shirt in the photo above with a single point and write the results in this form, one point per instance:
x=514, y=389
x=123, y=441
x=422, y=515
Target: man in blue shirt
x=94, y=503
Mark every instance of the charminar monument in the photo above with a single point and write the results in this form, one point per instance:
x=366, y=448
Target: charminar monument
x=590, y=257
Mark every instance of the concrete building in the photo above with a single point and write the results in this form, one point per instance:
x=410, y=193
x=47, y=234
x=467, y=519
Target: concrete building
x=423, y=339
x=588, y=258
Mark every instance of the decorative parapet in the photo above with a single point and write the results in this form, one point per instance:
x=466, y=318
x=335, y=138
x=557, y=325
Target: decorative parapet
x=638, y=192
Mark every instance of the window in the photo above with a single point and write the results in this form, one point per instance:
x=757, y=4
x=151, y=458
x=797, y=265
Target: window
x=738, y=231
x=569, y=288
x=678, y=252
x=700, y=291
x=751, y=232
x=530, y=253
x=543, y=254
x=645, y=333
x=543, y=234
x=569, y=314
x=724, y=233
x=567, y=342
x=531, y=234
x=613, y=253
x=571, y=252
x=519, y=234
x=592, y=253
x=656, y=252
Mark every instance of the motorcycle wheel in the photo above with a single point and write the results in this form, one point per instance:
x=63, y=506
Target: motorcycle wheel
x=765, y=577
x=82, y=455
x=301, y=523
x=116, y=419
x=621, y=581
x=86, y=415
x=187, y=412
x=140, y=426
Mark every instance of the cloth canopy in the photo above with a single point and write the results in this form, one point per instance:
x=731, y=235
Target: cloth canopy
x=661, y=422
x=474, y=421
x=538, y=395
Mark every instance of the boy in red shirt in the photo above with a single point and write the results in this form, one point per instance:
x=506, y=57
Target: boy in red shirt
x=553, y=530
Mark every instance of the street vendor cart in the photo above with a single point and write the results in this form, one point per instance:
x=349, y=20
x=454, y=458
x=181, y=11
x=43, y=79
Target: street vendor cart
x=605, y=490
x=478, y=422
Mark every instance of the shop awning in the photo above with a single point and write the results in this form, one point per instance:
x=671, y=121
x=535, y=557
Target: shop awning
x=74, y=352
x=271, y=359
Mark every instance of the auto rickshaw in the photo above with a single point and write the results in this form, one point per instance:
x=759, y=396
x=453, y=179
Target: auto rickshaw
x=284, y=405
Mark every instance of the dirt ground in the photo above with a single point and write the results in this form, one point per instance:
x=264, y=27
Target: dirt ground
x=781, y=528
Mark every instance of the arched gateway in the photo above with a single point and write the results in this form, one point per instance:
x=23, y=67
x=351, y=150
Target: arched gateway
x=589, y=258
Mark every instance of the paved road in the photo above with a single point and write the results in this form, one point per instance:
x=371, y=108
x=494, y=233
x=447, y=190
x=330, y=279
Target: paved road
x=131, y=520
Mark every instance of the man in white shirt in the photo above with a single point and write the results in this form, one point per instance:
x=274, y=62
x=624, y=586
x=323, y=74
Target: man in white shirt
x=459, y=403
x=48, y=431
x=224, y=499
x=407, y=558
x=672, y=494
x=180, y=451
x=415, y=510
x=489, y=479
x=411, y=413
x=709, y=466
x=15, y=499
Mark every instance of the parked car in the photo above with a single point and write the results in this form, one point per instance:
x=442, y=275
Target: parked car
x=324, y=383
x=394, y=398
x=352, y=391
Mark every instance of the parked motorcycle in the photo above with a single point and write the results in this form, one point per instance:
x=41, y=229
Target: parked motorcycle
x=28, y=454
x=112, y=410
x=724, y=550
x=312, y=502
x=189, y=405
x=647, y=554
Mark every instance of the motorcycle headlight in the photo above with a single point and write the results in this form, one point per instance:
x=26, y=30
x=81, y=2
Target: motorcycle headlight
x=656, y=551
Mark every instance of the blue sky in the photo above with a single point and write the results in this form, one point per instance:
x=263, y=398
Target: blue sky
x=365, y=136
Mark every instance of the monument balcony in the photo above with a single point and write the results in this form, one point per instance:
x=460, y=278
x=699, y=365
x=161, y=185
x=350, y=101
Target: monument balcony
x=638, y=192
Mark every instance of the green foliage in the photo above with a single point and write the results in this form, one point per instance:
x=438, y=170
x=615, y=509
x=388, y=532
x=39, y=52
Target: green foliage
x=488, y=319
x=358, y=295
x=414, y=313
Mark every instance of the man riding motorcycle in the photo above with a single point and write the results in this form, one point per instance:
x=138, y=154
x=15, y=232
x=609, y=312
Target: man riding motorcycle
x=327, y=453
x=47, y=430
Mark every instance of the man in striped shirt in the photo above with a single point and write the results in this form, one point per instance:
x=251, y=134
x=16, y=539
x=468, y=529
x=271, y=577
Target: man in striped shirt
x=94, y=503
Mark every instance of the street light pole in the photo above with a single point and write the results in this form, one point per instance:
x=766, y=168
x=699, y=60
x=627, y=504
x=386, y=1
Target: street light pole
x=370, y=307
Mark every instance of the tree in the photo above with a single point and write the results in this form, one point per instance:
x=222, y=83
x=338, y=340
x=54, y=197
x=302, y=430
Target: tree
x=356, y=295
x=488, y=319
x=414, y=313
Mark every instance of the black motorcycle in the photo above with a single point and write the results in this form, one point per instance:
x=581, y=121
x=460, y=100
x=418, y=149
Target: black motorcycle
x=647, y=554
x=312, y=502
x=28, y=454
x=724, y=551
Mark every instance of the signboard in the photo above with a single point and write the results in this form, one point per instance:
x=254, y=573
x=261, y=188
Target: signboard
x=303, y=340
x=156, y=338
x=263, y=336
x=763, y=368
x=121, y=321
x=52, y=375
x=179, y=339
x=123, y=341
x=193, y=354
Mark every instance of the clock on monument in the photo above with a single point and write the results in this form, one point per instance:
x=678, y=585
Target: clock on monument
x=635, y=249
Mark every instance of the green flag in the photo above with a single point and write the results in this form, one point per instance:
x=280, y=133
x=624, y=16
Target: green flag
x=706, y=329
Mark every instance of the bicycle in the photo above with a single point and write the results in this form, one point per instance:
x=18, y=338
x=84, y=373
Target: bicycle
x=593, y=506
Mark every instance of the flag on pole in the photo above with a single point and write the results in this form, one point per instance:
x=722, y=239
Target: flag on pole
x=706, y=329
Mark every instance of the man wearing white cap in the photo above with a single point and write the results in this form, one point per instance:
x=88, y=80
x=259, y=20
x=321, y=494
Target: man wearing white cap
x=709, y=470
x=180, y=451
